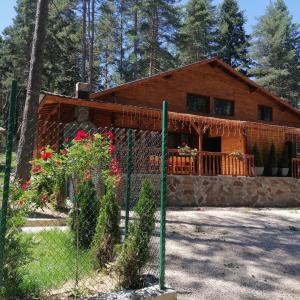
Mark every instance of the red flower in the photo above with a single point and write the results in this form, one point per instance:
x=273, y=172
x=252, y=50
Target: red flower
x=41, y=149
x=46, y=155
x=108, y=134
x=183, y=144
x=64, y=152
x=112, y=148
x=114, y=167
x=25, y=185
x=36, y=169
x=81, y=135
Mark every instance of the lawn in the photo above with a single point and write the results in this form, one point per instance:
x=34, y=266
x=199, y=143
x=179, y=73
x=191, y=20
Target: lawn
x=53, y=261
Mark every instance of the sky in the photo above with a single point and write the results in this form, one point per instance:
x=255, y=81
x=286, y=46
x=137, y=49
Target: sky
x=252, y=8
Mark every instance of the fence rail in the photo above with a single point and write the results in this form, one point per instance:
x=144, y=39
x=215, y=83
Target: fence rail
x=296, y=167
x=210, y=164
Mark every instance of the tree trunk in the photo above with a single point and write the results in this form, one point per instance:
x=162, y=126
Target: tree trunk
x=91, y=43
x=29, y=123
x=121, y=39
x=135, y=42
x=84, y=47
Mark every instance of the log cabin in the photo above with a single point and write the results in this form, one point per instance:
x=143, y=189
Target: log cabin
x=212, y=108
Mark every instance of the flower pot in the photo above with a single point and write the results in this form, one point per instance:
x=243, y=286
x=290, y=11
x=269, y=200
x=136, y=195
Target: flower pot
x=274, y=171
x=284, y=171
x=259, y=171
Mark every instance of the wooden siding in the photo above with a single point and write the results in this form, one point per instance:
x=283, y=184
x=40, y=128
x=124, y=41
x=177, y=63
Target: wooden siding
x=204, y=80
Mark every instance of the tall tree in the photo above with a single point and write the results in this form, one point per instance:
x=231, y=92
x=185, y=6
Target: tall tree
x=108, y=44
x=197, y=36
x=276, y=52
x=29, y=123
x=232, y=40
x=160, y=21
x=84, y=41
x=62, y=52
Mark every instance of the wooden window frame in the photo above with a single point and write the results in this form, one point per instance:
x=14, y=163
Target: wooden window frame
x=260, y=106
x=223, y=99
x=198, y=112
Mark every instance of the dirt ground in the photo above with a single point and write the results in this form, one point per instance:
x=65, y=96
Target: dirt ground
x=234, y=253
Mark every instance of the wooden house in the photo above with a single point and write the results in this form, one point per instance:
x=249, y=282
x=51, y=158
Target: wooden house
x=212, y=108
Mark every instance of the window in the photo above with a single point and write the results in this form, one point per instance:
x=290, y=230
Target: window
x=265, y=113
x=223, y=107
x=197, y=103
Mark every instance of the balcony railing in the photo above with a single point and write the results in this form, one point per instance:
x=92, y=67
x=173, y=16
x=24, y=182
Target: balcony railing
x=210, y=164
x=296, y=167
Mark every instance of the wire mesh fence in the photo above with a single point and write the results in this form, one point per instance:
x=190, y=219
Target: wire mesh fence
x=91, y=211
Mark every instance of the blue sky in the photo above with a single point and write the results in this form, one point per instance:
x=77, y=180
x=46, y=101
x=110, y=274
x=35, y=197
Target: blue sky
x=252, y=8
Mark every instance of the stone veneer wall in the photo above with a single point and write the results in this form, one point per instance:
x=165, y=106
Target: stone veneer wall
x=233, y=191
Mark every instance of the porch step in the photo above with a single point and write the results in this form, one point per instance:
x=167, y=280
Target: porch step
x=45, y=222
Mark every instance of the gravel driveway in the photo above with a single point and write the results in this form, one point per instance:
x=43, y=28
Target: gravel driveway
x=234, y=253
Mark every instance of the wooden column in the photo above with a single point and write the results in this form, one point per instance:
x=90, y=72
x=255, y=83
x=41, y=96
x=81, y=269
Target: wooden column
x=198, y=129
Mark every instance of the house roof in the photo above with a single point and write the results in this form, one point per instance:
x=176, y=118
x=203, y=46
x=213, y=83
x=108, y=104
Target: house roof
x=211, y=61
x=50, y=101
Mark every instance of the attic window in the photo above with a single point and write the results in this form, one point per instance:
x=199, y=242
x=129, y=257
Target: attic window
x=223, y=107
x=265, y=113
x=197, y=103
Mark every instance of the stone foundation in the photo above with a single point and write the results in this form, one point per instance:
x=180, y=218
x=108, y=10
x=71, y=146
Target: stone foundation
x=233, y=191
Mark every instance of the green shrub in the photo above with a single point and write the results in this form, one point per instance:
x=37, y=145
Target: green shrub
x=135, y=252
x=86, y=219
x=284, y=162
x=107, y=233
x=258, y=162
x=272, y=160
x=17, y=251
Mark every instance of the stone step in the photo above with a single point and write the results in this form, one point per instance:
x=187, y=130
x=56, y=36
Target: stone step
x=44, y=222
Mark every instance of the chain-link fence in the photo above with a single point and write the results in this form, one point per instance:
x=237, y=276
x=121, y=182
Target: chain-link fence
x=90, y=216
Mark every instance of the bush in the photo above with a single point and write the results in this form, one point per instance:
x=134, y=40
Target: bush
x=17, y=251
x=135, y=252
x=107, y=233
x=272, y=160
x=86, y=219
x=258, y=162
x=284, y=162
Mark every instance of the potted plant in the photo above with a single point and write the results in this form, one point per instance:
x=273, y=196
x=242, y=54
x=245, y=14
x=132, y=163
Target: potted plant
x=284, y=163
x=272, y=166
x=238, y=155
x=258, y=162
x=185, y=150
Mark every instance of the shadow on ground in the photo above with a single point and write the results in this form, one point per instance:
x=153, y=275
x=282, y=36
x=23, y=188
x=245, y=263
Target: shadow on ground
x=234, y=253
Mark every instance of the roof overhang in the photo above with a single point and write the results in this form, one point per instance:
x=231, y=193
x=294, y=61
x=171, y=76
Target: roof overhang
x=151, y=113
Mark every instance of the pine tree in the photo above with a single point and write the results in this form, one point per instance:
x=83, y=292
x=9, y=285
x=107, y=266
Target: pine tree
x=197, y=36
x=232, y=40
x=159, y=24
x=107, y=43
x=29, y=122
x=276, y=52
x=61, y=68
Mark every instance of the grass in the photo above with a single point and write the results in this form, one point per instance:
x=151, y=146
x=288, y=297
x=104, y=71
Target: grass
x=53, y=261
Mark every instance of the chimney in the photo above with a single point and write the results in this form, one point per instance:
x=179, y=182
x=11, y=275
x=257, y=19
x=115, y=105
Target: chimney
x=82, y=90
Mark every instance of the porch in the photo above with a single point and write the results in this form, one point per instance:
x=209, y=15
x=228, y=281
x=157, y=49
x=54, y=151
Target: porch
x=204, y=163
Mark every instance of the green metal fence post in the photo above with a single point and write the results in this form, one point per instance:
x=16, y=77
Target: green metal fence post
x=128, y=178
x=8, y=154
x=163, y=194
